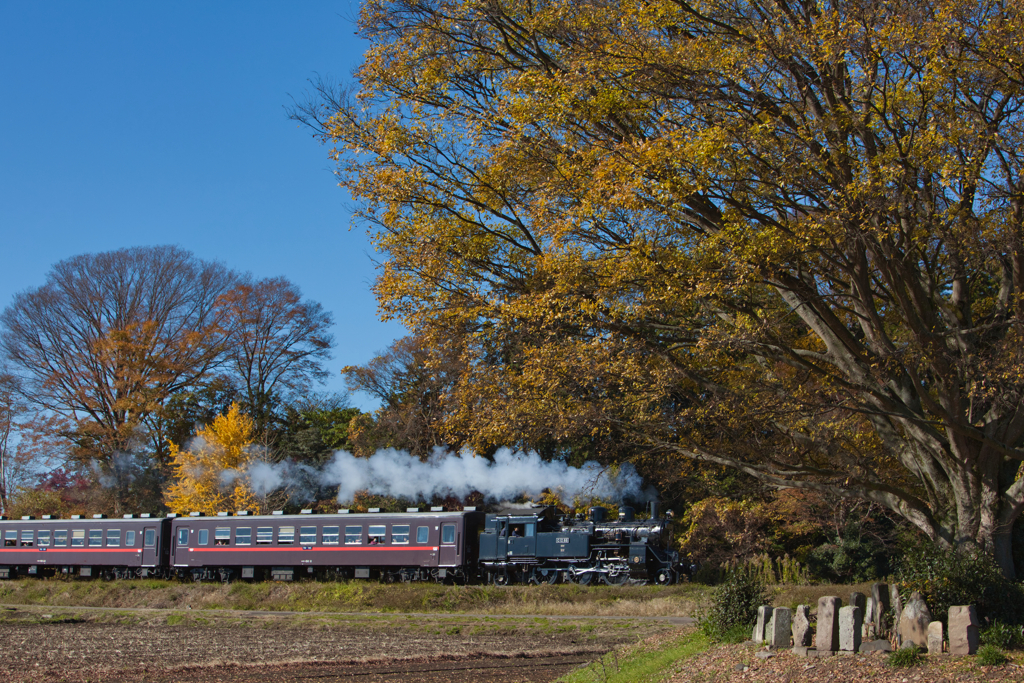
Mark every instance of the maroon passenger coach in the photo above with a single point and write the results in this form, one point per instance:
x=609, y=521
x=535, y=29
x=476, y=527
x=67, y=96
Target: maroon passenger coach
x=409, y=546
x=129, y=547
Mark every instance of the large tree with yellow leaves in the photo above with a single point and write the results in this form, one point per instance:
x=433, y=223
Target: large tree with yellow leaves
x=210, y=476
x=782, y=236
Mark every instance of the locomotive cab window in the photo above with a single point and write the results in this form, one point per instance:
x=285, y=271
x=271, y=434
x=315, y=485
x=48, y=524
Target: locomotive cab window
x=10, y=537
x=331, y=534
x=150, y=538
x=422, y=534
x=448, y=534
x=264, y=534
x=129, y=539
x=286, y=535
x=222, y=535
x=243, y=535
x=113, y=538
x=182, y=537
x=353, y=535
x=44, y=537
x=60, y=537
x=307, y=535
x=400, y=533
x=377, y=534
x=77, y=538
x=27, y=537
x=204, y=536
x=95, y=537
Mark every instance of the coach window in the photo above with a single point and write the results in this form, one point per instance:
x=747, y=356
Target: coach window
x=204, y=537
x=44, y=537
x=77, y=538
x=129, y=539
x=448, y=534
x=286, y=535
x=378, y=534
x=400, y=533
x=222, y=535
x=307, y=535
x=113, y=538
x=353, y=535
x=95, y=537
x=27, y=537
x=243, y=535
x=150, y=539
x=264, y=534
x=182, y=537
x=331, y=534
x=422, y=534
x=11, y=537
x=60, y=537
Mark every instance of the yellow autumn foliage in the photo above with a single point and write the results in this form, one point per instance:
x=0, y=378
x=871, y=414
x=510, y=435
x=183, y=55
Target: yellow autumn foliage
x=209, y=476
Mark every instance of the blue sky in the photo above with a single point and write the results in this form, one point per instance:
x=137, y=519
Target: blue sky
x=127, y=123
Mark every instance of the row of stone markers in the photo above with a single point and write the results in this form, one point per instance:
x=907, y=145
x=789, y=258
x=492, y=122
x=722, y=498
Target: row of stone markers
x=858, y=626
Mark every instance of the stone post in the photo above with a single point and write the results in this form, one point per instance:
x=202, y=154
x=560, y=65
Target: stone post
x=827, y=637
x=764, y=615
x=780, y=628
x=897, y=609
x=935, y=638
x=869, y=618
x=880, y=592
x=802, y=626
x=850, y=625
x=963, y=630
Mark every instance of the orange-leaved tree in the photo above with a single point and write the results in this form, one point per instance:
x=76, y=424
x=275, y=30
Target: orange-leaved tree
x=210, y=476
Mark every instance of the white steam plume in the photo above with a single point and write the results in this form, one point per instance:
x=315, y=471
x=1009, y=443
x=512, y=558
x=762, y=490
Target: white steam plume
x=397, y=473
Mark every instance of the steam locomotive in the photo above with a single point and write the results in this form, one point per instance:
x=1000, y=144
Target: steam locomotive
x=535, y=545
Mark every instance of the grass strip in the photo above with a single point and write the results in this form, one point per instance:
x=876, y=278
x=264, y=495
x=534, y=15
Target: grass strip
x=642, y=665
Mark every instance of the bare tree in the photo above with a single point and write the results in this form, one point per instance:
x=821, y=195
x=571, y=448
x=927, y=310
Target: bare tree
x=278, y=342
x=109, y=337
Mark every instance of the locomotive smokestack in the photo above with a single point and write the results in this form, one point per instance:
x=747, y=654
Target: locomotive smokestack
x=626, y=514
x=598, y=514
x=654, y=509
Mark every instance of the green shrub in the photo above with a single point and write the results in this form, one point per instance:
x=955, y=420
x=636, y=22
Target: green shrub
x=733, y=605
x=963, y=577
x=1005, y=636
x=905, y=657
x=990, y=655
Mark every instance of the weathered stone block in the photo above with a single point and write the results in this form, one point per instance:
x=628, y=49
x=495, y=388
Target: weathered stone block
x=827, y=636
x=935, y=638
x=850, y=625
x=780, y=628
x=858, y=599
x=876, y=646
x=764, y=615
x=963, y=630
x=802, y=626
x=914, y=620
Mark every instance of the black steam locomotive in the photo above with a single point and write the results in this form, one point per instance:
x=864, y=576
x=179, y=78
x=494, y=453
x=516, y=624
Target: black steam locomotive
x=513, y=546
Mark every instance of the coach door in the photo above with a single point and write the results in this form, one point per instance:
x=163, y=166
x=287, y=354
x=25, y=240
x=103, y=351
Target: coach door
x=150, y=546
x=179, y=547
x=451, y=553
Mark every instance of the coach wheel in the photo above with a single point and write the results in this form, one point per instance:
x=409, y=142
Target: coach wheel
x=664, y=577
x=501, y=578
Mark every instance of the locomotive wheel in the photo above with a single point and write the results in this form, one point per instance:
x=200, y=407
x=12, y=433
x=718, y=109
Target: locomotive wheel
x=541, y=576
x=616, y=579
x=583, y=579
x=501, y=578
x=664, y=577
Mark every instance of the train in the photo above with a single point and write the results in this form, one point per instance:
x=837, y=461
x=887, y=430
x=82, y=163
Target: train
x=522, y=545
